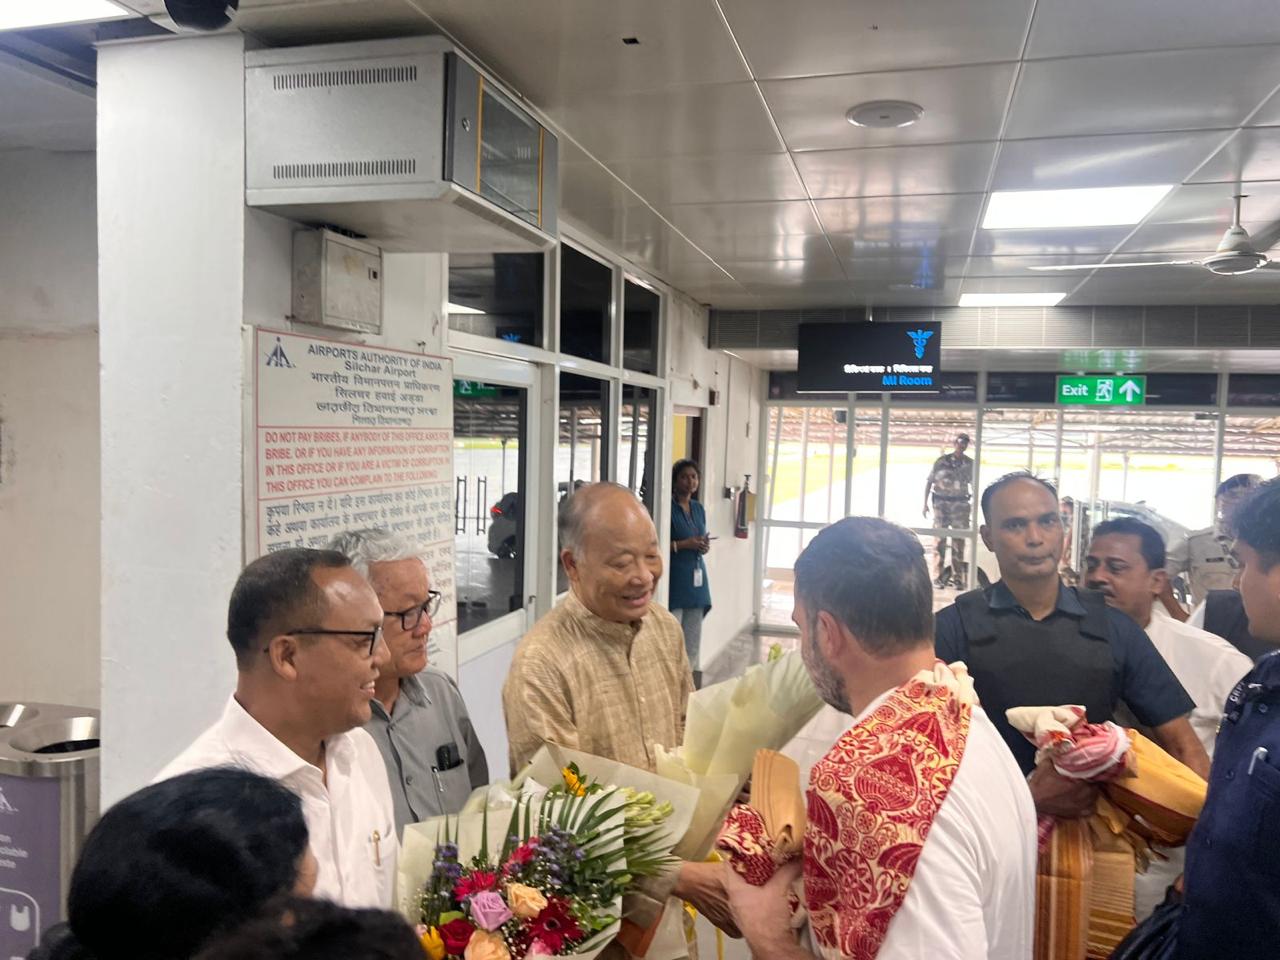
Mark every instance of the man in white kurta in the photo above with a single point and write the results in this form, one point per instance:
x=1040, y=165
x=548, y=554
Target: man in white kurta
x=1126, y=563
x=889, y=872
x=307, y=633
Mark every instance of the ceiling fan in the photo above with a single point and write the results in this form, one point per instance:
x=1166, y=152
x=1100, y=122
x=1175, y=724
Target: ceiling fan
x=1236, y=254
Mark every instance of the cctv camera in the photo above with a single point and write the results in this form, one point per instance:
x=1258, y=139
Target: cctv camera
x=201, y=14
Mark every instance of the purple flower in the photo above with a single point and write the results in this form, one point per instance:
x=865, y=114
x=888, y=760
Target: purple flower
x=489, y=910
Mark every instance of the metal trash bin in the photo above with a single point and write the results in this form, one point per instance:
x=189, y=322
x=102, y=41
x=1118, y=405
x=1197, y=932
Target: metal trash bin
x=48, y=801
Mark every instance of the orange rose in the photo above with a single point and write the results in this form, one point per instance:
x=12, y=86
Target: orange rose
x=525, y=902
x=484, y=945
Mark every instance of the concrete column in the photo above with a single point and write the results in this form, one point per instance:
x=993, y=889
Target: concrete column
x=171, y=234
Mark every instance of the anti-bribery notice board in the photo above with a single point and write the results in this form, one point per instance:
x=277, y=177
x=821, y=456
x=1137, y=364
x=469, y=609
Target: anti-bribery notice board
x=347, y=436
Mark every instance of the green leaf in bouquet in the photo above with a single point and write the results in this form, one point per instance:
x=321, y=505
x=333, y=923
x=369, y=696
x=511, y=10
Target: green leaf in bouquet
x=451, y=915
x=511, y=839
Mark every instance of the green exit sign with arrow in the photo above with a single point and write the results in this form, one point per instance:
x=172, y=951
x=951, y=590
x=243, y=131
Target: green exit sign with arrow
x=1103, y=391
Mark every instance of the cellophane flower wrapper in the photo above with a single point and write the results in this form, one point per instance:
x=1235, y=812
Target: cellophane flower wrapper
x=488, y=830
x=725, y=725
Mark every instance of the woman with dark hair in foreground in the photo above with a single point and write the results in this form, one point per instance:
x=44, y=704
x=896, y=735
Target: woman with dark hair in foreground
x=178, y=861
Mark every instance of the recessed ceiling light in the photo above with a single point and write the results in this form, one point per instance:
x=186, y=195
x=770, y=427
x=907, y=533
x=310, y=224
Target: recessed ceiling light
x=884, y=113
x=1091, y=207
x=20, y=14
x=1010, y=299
x=460, y=308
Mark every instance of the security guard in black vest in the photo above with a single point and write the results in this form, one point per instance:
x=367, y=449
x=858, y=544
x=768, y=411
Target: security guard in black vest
x=1231, y=887
x=1031, y=641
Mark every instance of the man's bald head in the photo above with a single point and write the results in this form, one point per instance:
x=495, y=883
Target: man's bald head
x=584, y=504
x=609, y=548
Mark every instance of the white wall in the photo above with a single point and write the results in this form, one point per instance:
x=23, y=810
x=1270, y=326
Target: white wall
x=731, y=438
x=49, y=428
x=171, y=232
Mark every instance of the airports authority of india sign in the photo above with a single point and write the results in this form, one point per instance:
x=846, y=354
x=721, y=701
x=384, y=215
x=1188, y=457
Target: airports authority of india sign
x=1103, y=391
x=346, y=437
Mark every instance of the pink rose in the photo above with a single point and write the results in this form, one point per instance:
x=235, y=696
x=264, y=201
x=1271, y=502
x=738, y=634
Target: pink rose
x=489, y=910
x=486, y=946
x=539, y=949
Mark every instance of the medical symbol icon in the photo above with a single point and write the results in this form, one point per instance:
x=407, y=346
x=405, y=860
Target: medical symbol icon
x=919, y=338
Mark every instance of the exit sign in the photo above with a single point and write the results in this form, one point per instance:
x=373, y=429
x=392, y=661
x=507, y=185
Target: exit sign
x=1103, y=391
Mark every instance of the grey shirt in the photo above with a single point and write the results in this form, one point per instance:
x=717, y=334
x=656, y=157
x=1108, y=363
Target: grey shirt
x=428, y=715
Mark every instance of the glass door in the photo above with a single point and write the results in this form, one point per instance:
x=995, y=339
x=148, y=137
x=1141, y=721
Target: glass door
x=494, y=406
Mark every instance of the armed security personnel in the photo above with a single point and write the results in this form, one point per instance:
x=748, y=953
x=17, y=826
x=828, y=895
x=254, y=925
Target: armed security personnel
x=1232, y=882
x=1031, y=641
x=949, y=481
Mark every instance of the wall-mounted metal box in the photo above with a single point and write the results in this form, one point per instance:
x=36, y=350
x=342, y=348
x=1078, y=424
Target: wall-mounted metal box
x=337, y=282
x=401, y=141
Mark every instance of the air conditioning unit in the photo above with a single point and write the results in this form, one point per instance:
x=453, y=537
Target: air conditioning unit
x=402, y=142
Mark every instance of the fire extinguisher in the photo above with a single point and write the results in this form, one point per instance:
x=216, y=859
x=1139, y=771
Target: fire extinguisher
x=740, y=513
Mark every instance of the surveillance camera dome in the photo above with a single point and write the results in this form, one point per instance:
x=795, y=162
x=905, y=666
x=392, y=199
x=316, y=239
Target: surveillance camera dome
x=201, y=14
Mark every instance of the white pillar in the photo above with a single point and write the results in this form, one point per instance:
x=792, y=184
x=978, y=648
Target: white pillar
x=171, y=227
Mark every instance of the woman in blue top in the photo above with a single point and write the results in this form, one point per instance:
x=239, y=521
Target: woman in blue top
x=690, y=596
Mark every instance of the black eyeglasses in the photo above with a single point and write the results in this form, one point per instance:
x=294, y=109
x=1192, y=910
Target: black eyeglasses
x=410, y=618
x=373, y=636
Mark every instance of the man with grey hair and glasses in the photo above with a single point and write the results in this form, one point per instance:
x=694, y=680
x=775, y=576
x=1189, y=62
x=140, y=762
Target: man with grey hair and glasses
x=420, y=723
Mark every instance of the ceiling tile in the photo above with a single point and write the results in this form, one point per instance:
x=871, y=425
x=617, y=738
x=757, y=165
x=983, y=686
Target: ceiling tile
x=960, y=103
x=1071, y=27
x=1213, y=203
x=1269, y=113
x=758, y=219
x=891, y=171
x=1062, y=163
x=835, y=36
x=920, y=219
x=748, y=176
x=1016, y=243
x=560, y=51
x=716, y=118
x=1252, y=154
x=810, y=270
x=1030, y=283
x=1182, y=90
x=730, y=246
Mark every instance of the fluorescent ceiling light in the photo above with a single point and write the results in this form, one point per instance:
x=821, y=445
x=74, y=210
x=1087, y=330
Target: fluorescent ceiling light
x=1010, y=299
x=19, y=14
x=459, y=308
x=1098, y=207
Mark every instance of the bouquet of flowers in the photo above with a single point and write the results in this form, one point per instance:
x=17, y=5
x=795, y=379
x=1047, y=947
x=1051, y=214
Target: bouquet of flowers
x=725, y=725
x=555, y=886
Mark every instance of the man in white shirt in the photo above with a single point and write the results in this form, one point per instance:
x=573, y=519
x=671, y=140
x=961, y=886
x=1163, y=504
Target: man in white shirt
x=1126, y=563
x=921, y=840
x=306, y=629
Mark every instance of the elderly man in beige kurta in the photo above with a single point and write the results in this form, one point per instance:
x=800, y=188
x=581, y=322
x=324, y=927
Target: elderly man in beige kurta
x=609, y=689
x=605, y=671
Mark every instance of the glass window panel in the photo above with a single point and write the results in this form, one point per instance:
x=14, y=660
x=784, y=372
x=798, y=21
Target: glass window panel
x=640, y=312
x=805, y=474
x=865, y=498
x=510, y=158
x=582, y=448
x=488, y=466
x=1021, y=387
x=636, y=442
x=917, y=438
x=586, y=301
x=1015, y=440
x=1182, y=389
x=1251, y=445
x=497, y=295
x=782, y=545
x=1253, y=390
